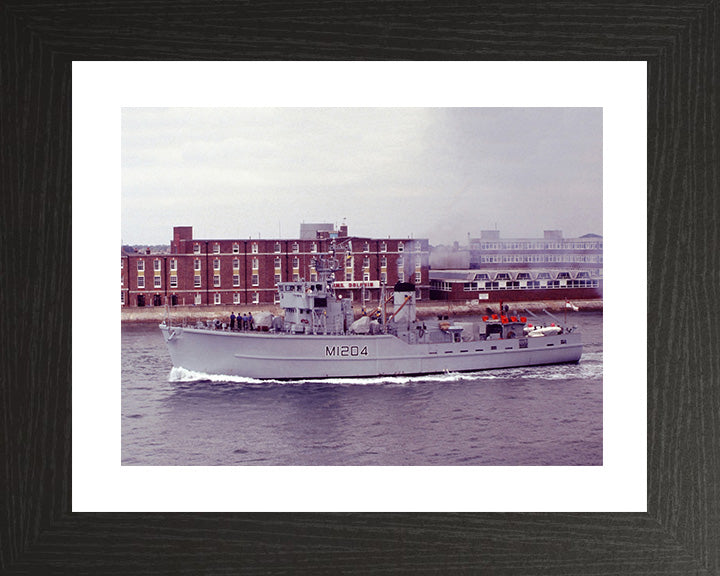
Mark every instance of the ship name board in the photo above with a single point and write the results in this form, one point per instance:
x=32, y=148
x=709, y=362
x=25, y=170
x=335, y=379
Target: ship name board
x=357, y=284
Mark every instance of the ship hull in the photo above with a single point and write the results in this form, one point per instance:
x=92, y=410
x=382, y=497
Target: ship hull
x=264, y=355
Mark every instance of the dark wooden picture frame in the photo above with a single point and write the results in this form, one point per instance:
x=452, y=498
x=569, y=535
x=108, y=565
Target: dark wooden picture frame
x=680, y=533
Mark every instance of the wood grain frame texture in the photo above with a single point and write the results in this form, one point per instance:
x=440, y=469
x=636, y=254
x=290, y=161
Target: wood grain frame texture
x=680, y=533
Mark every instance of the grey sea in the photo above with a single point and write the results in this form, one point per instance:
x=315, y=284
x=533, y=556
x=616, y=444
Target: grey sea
x=537, y=416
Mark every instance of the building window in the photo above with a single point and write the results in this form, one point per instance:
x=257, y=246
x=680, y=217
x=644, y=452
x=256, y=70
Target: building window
x=236, y=263
x=418, y=277
x=278, y=263
x=216, y=280
x=295, y=248
x=236, y=298
x=216, y=248
x=401, y=247
x=383, y=262
x=236, y=248
x=217, y=299
x=141, y=282
x=256, y=298
x=196, y=249
x=383, y=247
x=216, y=264
x=197, y=264
x=173, y=281
x=313, y=276
x=254, y=248
x=141, y=265
x=122, y=297
x=383, y=277
x=296, y=277
x=278, y=279
x=366, y=247
x=198, y=298
x=296, y=262
x=156, y=265
x=236, y=280
x=348, y=276
x=278, y=248
x=255, y=264
x=157, y=282
x=197, y=281
x=366, y=263
x=255, y=280
x=366, y=276
x=173, y=264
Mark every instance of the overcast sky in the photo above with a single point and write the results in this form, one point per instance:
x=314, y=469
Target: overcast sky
x=436, y=173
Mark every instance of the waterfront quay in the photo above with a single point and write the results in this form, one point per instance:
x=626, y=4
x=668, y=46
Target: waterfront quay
x=431, y=309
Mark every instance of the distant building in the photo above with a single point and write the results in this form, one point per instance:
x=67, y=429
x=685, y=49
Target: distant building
x=515, y=269
x=246, y=271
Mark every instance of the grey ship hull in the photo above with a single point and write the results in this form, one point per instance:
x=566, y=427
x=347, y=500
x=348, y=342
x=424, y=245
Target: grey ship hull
x=265, y=355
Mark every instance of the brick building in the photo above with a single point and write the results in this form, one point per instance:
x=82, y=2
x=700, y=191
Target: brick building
x=246, y=271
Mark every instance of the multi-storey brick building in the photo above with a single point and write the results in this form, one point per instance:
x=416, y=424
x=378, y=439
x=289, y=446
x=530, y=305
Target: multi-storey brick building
x=246, y=271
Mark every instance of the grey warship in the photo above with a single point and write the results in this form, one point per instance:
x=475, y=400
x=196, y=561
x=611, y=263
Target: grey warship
x=318, y=337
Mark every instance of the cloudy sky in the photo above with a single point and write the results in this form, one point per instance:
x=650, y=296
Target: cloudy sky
x=437, y=173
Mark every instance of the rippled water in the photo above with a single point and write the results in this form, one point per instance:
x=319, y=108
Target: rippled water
x=548, y=415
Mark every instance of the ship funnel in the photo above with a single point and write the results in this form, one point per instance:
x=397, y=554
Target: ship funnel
x=404, y=302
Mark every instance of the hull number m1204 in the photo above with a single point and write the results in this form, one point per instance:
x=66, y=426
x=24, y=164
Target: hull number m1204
x=346, y=351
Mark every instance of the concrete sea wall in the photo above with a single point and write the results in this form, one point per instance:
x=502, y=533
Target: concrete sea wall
x=426, y=309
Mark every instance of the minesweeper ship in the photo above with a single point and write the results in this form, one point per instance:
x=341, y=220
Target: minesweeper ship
x=318, y=337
